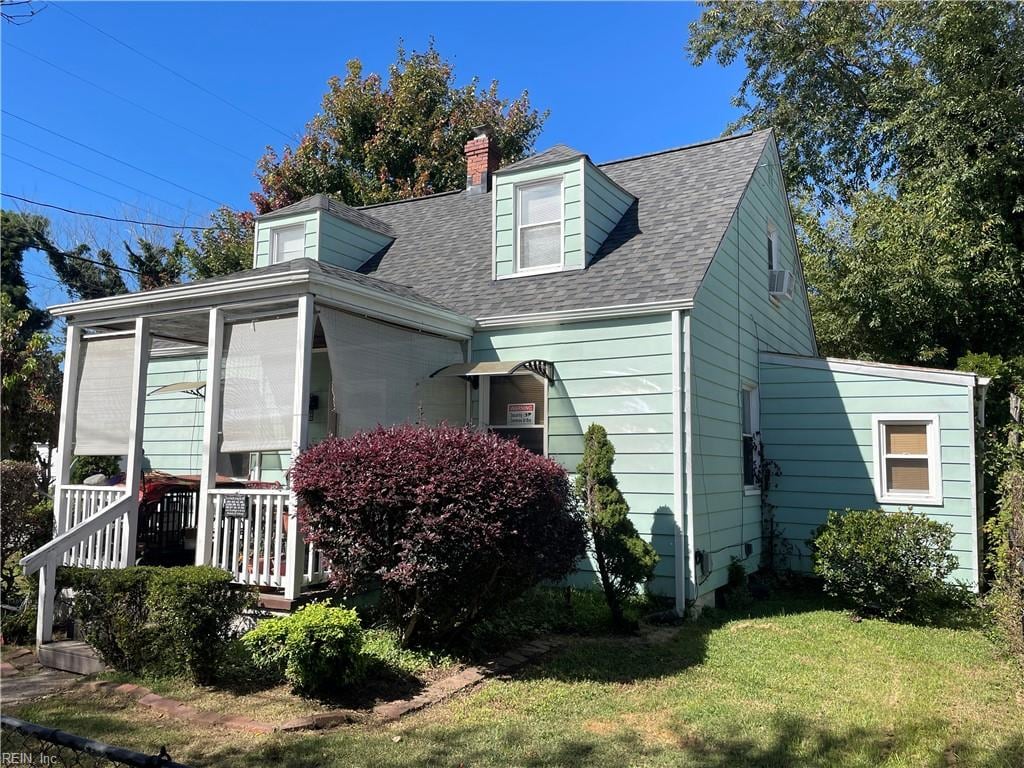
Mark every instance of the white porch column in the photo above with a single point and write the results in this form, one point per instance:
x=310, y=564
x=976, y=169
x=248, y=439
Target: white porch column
x=62, y=472
x=211, y=433
x=300, y=437
x=133, y=467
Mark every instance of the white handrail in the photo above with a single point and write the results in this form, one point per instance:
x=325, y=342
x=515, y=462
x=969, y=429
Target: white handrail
x=56, y=547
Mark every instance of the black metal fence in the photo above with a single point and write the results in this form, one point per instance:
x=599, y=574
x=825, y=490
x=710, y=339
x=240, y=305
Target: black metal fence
x=25, y=743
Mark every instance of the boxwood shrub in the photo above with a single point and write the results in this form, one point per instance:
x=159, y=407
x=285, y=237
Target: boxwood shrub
x=165, y=621
x=888, y=564
x=317, y=649
x=450, y=523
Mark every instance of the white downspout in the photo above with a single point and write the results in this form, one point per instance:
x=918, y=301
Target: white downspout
x=691, y=552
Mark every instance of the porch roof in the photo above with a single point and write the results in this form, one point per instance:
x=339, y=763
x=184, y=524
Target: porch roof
x=330, y=285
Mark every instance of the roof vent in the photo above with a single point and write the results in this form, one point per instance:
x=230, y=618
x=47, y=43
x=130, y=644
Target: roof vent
x=482, y=160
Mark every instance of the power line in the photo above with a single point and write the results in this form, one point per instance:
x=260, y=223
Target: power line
x=112, y=157
x=107, y=218
x=193, y=83
x=76, y=183
x=125, y=99
x=100, y=175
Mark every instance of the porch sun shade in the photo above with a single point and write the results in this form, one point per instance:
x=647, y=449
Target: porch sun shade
x=381, y=374
x=501, y=368
x=104, y=397
x=259, y=385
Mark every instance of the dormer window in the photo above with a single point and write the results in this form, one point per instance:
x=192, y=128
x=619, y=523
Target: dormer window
x=539, y=226
x=287, y=243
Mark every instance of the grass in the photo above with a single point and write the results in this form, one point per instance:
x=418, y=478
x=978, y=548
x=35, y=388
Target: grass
x=782, y=683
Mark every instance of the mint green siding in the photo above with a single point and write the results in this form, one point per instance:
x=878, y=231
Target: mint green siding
x=733, y=319
x=817, y=425
x=173, y=435
x=505, y=214
x=617, y=373
x=605, y=203
x=310, y=220
x=344, y=244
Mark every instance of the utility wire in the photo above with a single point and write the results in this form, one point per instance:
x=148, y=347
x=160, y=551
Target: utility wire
x=100, y=175
x=112, y=157
x=61, y=7
x=107, y=218
x=125, y=99
x=76, y=183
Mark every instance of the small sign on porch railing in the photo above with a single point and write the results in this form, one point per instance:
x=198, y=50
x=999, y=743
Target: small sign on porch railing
x=235, y=506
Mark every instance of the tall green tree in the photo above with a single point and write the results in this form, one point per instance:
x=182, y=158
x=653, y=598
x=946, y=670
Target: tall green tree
x=624, y=561
x=17, y=238
x=901, y=126
x=224, y=247
x=376, y=140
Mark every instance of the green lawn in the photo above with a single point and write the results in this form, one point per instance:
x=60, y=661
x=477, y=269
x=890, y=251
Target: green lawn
x=789, y=684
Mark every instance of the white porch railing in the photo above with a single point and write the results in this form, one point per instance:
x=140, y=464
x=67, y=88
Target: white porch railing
x=106, y=547
x=251, y=533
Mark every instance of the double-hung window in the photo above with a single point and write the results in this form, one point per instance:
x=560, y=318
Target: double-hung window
x=750, y=408
x=539, y=226
x=287, y=243
x=907, y=461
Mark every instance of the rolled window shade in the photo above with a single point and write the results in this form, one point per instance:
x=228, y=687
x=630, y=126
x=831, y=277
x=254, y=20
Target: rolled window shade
x=104, y=397
x=259, y=385
x=907, y=438
x=908, y=475
x=381, y=374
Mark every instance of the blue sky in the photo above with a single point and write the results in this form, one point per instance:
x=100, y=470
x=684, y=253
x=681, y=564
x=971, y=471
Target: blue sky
x=614, y=76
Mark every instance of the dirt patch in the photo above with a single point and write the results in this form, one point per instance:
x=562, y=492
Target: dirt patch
x=650, y=728
x=768, y=626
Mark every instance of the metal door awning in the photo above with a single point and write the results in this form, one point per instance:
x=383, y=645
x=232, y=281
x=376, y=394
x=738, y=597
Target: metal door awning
x=194, y=388
x=500, y=368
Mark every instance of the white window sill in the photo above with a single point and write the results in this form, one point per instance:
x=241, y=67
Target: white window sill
x=911, y=501
x=751, y=490
x=538, y=271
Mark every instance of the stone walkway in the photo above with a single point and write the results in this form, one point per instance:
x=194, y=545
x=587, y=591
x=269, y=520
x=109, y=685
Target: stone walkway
x=23, y=679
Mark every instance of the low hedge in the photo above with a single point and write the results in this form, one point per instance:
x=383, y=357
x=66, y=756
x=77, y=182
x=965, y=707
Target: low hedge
x=165, y=621
x=318, y=649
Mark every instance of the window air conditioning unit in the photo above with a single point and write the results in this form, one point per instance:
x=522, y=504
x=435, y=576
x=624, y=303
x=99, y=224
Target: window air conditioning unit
x=780, y=283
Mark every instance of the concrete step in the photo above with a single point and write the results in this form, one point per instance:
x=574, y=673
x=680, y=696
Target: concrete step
x=71, y=656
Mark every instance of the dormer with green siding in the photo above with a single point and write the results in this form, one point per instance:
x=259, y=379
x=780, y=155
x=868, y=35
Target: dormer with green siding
x=552, y=212
x=319, y=228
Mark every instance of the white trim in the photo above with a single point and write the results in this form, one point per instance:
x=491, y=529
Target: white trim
x=691, y=550
x=579, y=315
x=305, y=327
x=136, y=428
x=494, y=228
x=886, y=370
x=975, y=492
x=931, y=420
x=678, y=436
x=517, y=227
x=583, y=212
x=211, y=436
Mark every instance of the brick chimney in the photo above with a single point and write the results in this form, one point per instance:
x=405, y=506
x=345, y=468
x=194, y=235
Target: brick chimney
x=481, y=160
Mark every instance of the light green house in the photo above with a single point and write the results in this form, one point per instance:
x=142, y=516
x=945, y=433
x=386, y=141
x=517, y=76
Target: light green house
x=661, y=296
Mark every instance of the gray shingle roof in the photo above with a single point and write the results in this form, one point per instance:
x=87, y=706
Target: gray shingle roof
x=658, y=252
x=327, y=203
x=559, y=153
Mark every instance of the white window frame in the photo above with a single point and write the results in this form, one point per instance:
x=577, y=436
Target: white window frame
x=276, y=232
x=752, y=391
x=773, y=247
x=518, y=228
x=484, y=406
x=934, y=457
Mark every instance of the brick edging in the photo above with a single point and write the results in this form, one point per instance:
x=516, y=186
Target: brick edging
x=384, y=712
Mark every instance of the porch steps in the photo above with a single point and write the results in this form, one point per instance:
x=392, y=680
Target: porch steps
x=280, y=604
x=70, y=656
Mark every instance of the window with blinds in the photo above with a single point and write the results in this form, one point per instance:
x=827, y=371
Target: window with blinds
x=288, y=243
x=908, y=460
x=539, y=225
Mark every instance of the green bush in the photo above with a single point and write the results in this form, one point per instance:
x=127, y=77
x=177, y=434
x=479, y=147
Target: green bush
x=164, y=621
x=888, y=564
x=1006, y=559
x=26, y=520
x=317, y=649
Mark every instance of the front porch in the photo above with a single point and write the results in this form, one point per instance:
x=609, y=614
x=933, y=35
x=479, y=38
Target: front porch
x=371, y=348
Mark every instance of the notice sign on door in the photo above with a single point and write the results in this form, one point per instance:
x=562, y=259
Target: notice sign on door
x=521, y=414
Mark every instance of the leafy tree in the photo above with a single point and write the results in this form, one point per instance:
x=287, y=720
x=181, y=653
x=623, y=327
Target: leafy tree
x=17, y=237
x=224, y=249
x=27, y=519
x=624, y=560
x=377, y=140
x=902, y=134
x=31, y=385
